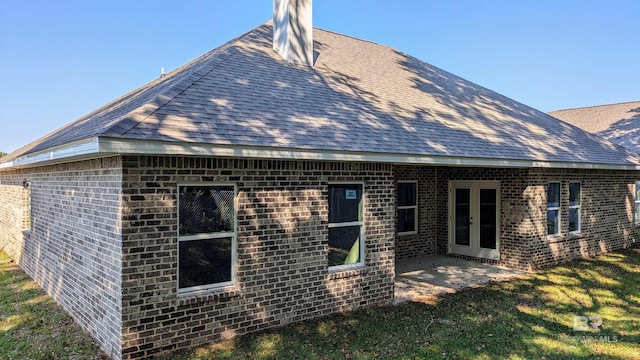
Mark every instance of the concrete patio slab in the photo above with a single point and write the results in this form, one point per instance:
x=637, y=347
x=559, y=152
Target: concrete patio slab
x=436, y=275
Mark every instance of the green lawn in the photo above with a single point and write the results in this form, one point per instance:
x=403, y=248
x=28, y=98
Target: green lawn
x=32, y=325
x=527, y=318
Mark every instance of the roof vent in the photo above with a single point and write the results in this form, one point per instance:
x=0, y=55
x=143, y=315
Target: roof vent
x=293, y=30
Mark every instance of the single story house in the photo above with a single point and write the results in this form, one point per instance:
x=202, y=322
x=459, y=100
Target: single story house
x=280, y=176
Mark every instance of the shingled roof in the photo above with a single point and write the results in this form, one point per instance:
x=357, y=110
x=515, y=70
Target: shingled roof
x=618, y=123
x=360, y=101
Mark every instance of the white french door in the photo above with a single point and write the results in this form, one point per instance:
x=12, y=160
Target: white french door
x=474, y=218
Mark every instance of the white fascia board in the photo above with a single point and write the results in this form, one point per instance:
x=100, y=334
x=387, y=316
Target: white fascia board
x=78, y=149
x=128, y=146
x=101, y=147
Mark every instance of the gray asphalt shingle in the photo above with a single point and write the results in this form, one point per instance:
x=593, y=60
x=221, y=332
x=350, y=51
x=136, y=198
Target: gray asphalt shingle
x=359, y=96
x=618, y=123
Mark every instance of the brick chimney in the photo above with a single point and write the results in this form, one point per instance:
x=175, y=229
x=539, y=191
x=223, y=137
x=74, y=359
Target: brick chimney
x=293, y=30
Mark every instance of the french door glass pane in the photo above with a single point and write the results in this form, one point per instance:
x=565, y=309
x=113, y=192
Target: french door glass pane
x=463, y=216
x=488, y=219
x=344, y=245
x=203, y=262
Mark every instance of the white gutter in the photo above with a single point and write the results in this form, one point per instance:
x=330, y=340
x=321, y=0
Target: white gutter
x=55, y=154
x=127, y=146
x=101, y=147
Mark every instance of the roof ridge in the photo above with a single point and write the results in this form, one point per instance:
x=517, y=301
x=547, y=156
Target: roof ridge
x=213, y=55
x=595, y=106
x=351, y=37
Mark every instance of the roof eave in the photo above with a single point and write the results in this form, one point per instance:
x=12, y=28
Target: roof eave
x=78, y=150
x=105, y=146
x=130, y=146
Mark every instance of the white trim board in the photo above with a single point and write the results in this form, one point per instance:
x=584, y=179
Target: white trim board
x=105, y=146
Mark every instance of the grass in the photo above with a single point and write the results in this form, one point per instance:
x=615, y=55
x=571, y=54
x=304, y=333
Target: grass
x=32, y=325
x=527, y=318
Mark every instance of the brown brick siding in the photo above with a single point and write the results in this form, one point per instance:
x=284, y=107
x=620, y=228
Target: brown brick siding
x=15, y=216
x=424, y=242
x=282, y=249
x=607, y=214
x=104, y=238
x=73, y=249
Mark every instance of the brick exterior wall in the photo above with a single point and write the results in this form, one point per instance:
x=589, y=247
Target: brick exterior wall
x=73, y=249
x=282, y=248
x=103, y=238
x=515, y=223
x=15, y=216
x=607, y=214
x=424, y=242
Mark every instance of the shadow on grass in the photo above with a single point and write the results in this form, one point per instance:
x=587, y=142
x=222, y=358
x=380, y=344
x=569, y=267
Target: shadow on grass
x=529, y=317
x=32, y=325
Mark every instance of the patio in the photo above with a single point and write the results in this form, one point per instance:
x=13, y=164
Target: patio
x=435, y=275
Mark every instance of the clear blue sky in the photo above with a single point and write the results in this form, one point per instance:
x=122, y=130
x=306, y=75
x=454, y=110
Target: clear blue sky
x=61, y=59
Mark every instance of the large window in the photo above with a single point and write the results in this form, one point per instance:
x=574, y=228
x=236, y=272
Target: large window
x=637, y=203
x=575, y=223
x=553, y=208
x=206, y=236
x=346, y=225
x=407, y=208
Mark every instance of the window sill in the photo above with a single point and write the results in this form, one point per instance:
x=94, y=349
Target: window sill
x=346, y=273
x=576, y=235
x=408, y=233
x=208, y=295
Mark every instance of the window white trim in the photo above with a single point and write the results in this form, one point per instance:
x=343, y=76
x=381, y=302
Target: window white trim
x=579, y=207
x=408, y=207
x=636, y=203
x=360, y=263
x=554, y=208
x=204, y=236
x=474, y=249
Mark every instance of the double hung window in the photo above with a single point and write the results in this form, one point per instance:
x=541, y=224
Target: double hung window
x=346, y=225
x=407, y=208
x=553, y=209
x=206, y=236
x=637, y=203
x=575, y=218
